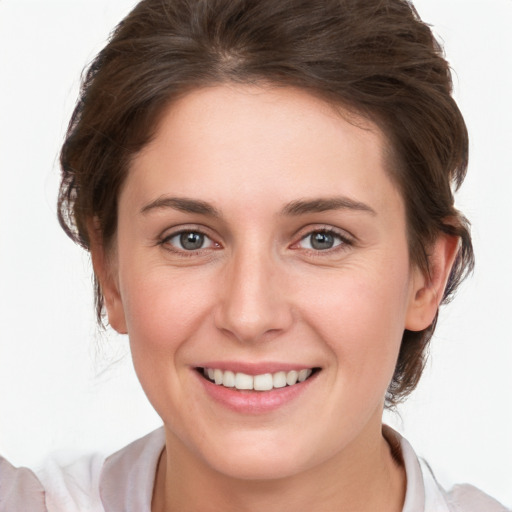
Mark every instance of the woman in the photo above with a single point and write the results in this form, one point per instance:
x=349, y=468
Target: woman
x=264, y=188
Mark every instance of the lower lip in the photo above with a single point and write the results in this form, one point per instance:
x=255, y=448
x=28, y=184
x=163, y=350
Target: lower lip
x=255, y=402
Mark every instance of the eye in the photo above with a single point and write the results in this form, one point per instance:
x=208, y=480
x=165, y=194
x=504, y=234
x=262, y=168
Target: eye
x=189, y=241
x=322, y=240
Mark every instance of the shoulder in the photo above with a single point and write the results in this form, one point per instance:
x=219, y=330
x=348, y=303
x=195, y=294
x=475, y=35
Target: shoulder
x=20, y=490
x=425, y=494
x=460, y=498
x=72, y=487
x=128, y=476
x=466, y=498
x=122, y=482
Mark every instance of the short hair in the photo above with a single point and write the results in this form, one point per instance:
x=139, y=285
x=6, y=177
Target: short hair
x=373, y=57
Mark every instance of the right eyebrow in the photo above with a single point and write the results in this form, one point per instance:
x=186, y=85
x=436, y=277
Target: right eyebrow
x=183, y=204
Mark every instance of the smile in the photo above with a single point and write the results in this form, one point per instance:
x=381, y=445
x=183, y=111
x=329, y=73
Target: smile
x=263, y=382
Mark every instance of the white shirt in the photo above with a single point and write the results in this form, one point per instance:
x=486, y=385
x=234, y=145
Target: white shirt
x=20, y=490
x=124, y=482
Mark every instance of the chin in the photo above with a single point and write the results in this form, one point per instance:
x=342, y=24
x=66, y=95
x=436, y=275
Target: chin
x=259, y=467
x=260, y=459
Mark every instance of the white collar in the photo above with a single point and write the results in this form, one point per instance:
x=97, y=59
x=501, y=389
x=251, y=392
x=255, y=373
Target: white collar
x=127, y=477
x=423, y=493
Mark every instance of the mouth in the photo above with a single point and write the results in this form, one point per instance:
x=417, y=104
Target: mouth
x=262, y=382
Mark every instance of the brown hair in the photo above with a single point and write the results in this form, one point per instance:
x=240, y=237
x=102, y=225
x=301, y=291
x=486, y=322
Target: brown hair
x=374, y=57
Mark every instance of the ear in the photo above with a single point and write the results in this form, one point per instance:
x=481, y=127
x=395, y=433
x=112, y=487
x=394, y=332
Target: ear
x=428, y=289
x=104, y=263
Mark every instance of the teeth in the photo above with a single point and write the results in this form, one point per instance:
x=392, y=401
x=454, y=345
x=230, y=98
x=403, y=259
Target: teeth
x=279, y=379
x=291, y=377
x=217, y=376
x=264, y=382
x=303, y=375
x=228, y=379
x=243, y=381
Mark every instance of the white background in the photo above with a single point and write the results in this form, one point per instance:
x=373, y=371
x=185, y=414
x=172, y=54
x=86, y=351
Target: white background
x=66, y=387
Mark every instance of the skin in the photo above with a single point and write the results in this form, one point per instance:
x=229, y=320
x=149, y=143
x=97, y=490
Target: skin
x=257, y=291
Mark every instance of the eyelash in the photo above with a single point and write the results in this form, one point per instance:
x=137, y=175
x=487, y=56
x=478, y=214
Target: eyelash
x=344, y=242
x=182, y=252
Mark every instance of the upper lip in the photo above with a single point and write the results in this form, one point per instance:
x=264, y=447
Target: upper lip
x=254, y=368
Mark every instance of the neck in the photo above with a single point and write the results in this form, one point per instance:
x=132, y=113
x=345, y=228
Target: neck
x=364, y=478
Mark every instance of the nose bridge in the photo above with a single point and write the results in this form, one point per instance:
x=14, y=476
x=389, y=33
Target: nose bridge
x=253, y=300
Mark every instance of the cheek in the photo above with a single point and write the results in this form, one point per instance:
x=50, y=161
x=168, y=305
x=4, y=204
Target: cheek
x=163, y=313
x=360, y=314
x=161, y=304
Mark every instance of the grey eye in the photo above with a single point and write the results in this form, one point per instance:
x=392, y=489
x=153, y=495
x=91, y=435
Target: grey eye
x=321, y=241
x=191, y=240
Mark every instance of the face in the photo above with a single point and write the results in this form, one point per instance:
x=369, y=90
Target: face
x=261, y=271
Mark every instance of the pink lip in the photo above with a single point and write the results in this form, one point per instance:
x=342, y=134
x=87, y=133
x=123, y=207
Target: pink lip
x=252, y=368
x=254, y=402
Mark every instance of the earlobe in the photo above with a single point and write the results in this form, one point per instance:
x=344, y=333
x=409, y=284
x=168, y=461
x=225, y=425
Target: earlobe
x=428, y=290
x=105, y=270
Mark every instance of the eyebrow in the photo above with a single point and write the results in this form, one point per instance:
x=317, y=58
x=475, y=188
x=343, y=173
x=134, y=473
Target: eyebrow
x=294, y=208
x=301, y=207
x=182, y=204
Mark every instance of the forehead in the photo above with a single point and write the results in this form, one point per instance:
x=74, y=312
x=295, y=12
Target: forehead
x=253, y=142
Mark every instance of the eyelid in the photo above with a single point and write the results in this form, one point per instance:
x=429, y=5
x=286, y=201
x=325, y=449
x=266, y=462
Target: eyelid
x=346, y=238
x=172, y=232
x=206, y=238
x=324, y=228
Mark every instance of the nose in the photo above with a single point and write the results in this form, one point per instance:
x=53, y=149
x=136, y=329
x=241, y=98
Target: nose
x=253, y=304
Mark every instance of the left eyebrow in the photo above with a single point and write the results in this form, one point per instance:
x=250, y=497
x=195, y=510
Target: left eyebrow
x=302, y=206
